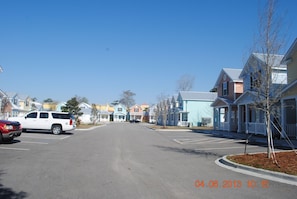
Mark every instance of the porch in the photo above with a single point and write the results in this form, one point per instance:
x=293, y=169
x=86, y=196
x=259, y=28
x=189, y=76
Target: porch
x=253, y=128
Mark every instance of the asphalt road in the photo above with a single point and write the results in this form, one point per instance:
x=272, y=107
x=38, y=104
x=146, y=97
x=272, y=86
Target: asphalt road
x=127, y=161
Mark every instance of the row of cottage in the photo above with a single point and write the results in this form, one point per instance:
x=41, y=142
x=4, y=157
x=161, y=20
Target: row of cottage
x=230, y=104
x=17, y=105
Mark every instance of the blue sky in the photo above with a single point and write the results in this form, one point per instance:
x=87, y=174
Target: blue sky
x=97, y=49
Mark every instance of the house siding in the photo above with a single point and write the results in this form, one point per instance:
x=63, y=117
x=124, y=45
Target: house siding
x=199, y=110
x=292, y=68
x=230, y=88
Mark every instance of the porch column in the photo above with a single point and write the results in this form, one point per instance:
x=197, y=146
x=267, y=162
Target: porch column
x=229, y=117
x=246, y=118
x=238, y=118
x=283, y=118
x=219, y=118
x=295, y=105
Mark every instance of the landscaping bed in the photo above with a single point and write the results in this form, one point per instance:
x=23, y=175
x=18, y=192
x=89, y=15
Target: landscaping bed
x=286, y=162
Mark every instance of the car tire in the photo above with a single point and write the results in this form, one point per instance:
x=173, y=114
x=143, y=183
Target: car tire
x=1, y=138
x=56, y=129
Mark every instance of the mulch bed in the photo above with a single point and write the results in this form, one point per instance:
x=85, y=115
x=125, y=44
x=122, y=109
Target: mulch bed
x=286, y=162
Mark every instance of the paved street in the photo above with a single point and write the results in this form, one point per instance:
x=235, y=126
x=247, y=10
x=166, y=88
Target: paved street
x=123, y=160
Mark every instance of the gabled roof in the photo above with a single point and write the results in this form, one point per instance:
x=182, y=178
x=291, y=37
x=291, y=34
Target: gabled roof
x=2, y=94
x=84, y=105
x=11, y=94
x=290, y=52
x=247, y=96
x=224, y=100
x=232, y=73
x=275, y=60
x=192, y=95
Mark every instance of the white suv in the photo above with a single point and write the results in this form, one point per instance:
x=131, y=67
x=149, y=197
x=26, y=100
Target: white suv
x=56, y=122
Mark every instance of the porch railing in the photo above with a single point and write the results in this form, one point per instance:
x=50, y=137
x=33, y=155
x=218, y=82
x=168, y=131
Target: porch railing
x=224, y=126
x=256, y=128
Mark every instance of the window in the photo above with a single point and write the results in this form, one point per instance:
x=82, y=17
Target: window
x=61, y=116
x=255, y=79
x=185, y=117
x=32, y=115
x=43, y=115
x=120, y=109
x=136, y=109
x=225, y=88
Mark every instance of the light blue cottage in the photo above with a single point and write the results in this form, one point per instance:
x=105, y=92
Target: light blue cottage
x=194, y=108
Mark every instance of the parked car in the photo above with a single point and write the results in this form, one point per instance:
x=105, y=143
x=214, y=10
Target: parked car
x=9, y=130
x=134, y=121
x=56, y=122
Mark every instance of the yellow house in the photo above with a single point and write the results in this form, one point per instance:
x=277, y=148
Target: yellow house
x=49, y=106
x=105, y=112
x=289, y=94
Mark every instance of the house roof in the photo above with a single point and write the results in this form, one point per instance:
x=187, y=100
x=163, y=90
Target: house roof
x=3, y=94
x=246, y=97
x=290, y=52
x=192, y=95
x=224, y=100
x=275, y=60
x=232, y=73
x=84, y=105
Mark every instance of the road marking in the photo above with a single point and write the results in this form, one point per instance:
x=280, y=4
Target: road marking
x=175, y=140
x=220, y=148
x=55, y=137
x=62, y=138
x=16, y=149
x=226, y=141
x=28, y=142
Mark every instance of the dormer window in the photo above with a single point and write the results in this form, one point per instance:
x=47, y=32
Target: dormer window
x=225, y=89
x=15, y=101
x=255, y=80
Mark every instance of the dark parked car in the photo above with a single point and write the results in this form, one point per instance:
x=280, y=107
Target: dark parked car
x=134, y=121
x=9, y=130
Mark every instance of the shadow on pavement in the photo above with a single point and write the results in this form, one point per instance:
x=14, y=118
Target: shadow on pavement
x=8, y=193
x=189, y=151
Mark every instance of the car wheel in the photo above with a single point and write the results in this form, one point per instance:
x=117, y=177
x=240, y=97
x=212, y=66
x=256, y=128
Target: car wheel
x=1, y=138
x=56, y=129
x=8, y=140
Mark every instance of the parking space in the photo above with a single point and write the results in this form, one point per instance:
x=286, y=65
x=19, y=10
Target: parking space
x=210, y=142
x=30, y=140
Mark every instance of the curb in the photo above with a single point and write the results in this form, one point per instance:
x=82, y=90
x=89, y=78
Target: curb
x=172, y=130
x=261, y=173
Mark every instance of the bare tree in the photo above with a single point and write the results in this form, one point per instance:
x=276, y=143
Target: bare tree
x=4, y=105
x=82, y=99
x=163, y=108
x=127, y=99
x=185, y=83
x=157, y=111
x=265, y=80
x=94, y=114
